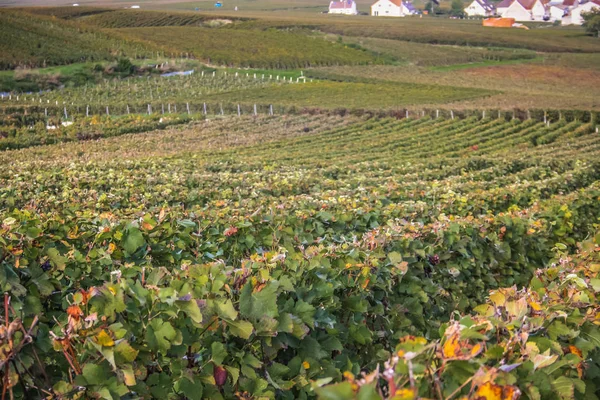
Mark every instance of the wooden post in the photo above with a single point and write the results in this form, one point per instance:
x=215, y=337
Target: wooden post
x=127, y=109
x=221, y=107
x=107, y=113
x=528, y=114
x=406, y=114
x=483, y=115
x=188, y=107
x=87, y=111
x=204, y=108
x=437, y=113
x=255, y=113
x=545, y=117
x=271, y=110
x=46, y=112
x=169, y=108
x=66, y=115
x=451, y=114
x=149, y=110
x=239, y=111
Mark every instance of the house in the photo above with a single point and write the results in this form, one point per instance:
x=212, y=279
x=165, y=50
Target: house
x=525, y=10
x=392, y=8
x=503, y=6
x=558, y=11
x=347, y=7
x=577, y=9
x=480, y=8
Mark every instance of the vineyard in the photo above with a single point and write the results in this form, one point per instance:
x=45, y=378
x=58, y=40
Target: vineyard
x=139, y=19
x=42, y=42
x=266, y=205
x=285, y=256
x=248, y=48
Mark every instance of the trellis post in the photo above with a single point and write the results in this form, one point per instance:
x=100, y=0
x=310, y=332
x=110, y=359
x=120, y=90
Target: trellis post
x=239, y=110
x=187, y=105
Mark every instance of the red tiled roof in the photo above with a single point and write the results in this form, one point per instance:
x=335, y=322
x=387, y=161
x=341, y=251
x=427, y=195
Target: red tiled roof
x=504, y=3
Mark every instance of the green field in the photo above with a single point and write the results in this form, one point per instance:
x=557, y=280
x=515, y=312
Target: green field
x=328, y=207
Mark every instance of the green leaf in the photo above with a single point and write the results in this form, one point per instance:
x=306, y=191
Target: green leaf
x=564, y=387
x=218, y=353
x=191, y=390
x=242, y=329
x=340, y=391
x=160, y=335
x=191, y=308
x=58, y=260
x=259, y=304
x=125, y=352
x=133, y=240
x=226, y=310
x=395, y=257
x=234, y=372
x=368, y=392
x=95, y=374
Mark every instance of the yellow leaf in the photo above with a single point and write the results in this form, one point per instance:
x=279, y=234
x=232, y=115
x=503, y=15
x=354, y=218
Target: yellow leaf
x=517, y=309
x=497, y=298
x=476, y=349
x=128, y=377
x=535, y=306
x=104, y=339
x=451, y=347
x=404, y=394
x=491, y=391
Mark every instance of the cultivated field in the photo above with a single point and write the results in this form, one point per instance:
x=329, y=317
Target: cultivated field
x=257, y=240
x=274, y=203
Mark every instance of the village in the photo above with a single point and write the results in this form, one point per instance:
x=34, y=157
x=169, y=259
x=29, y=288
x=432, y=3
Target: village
x=565, y=12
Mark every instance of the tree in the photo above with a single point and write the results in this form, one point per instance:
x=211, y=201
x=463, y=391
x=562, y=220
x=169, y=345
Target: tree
x=592, y=21
x=457, y=8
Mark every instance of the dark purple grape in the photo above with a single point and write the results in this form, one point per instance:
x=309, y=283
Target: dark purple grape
x=434, y=259
x=46, y=266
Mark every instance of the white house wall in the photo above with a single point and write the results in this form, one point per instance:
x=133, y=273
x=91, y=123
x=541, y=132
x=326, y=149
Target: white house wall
x=385, y=8
x=475, y=9
x=575, y=17
x=516, y=11
x=539, y=11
